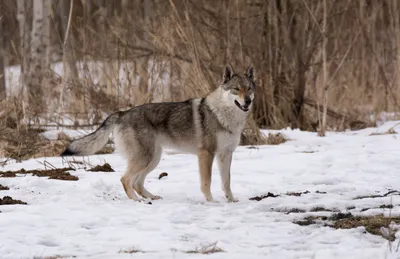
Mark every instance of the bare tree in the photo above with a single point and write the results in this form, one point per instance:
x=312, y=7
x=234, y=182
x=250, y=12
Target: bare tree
x=24, y=17
x=322, y=127
x=39, y=58
x=2, y=57
x=70, y=72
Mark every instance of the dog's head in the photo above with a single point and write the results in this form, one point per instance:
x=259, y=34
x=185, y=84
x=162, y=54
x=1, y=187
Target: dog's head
x=239, y=89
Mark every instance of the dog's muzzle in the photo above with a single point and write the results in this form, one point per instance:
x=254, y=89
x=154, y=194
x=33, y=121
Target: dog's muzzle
x=244, y=107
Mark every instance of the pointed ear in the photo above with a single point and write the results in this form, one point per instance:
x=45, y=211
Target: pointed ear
x=250, y=72
x=228, y=73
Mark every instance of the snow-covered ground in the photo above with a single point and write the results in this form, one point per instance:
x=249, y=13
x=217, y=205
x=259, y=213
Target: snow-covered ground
x=93, y=218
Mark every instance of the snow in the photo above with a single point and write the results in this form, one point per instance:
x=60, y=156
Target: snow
x=93, y=218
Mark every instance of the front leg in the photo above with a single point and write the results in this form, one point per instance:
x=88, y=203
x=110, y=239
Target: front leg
x=205, y=166
x=224, y=160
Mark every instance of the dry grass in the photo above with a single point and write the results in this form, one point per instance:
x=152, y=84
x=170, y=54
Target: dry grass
x=55, y=257
x=388, y=132
x=206, y=249
x=130, y=251
x=372, y=224
x=275, y=139
x=191, y=42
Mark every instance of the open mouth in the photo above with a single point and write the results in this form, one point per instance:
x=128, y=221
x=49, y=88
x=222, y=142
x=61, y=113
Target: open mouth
x=244, y=108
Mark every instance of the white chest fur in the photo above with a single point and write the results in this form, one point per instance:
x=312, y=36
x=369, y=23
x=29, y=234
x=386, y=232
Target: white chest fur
x=227, y=141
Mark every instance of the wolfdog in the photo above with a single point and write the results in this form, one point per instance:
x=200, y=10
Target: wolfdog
x=210, y=127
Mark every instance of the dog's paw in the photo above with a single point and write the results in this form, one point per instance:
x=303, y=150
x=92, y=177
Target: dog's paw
x=211, y=199
x=232, y=199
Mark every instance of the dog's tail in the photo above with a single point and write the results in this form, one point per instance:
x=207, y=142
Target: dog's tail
x=93, y=142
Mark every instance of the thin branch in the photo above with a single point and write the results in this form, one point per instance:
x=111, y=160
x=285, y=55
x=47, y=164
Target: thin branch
x=343, y=59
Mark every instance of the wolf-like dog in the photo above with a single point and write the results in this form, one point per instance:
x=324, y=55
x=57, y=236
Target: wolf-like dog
x=209, y=127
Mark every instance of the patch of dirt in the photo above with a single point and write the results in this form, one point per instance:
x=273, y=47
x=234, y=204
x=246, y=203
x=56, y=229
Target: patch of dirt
x=261, y=197
x=386, y=206
x=296, y=210
x=372, y=224
x=4, y=188
x=305, y=222
x=301, y=193
x=57, y=174
x=394, y=192
x=297, y=193
x=339, y=216
x=7, y=200
x=102, y=168
x=163, y=174
x=317, y=209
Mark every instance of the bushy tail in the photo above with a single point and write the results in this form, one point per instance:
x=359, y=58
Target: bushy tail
x=93, y=142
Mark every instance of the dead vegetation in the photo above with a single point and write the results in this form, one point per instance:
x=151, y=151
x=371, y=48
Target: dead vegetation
x=372, y=196
x=292, y=210
x=174, y=50
x=20, y=141
x=130, y=251
x=388, y=132
x=271, y=195
x=55, y=257
x=275, y=139
x=57, y=173
x=264, y=196
x=297, y=193
x=318, y=209
x=375, y=225
x=4, y=188
x=206, y=249
x=7, y=200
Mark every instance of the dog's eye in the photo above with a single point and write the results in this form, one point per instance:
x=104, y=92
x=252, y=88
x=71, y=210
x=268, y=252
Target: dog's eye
x=236, y=89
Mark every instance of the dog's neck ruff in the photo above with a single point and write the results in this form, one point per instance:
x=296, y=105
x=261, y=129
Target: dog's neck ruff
x=226, y=112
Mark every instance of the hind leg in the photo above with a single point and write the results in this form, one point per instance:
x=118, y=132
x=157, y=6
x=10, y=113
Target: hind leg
x=139, y=152
x=138, y=183
x=127, y=182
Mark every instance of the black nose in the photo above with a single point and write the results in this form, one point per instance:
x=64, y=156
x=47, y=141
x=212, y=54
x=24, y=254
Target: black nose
x=247, y=101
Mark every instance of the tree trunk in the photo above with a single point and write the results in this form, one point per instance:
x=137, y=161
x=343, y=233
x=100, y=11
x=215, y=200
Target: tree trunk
x=322, y=127
x=143, y=63
x=70, y=71
x=25, y=26
x=70, y=76
x=3, y=93
x=39, y=61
